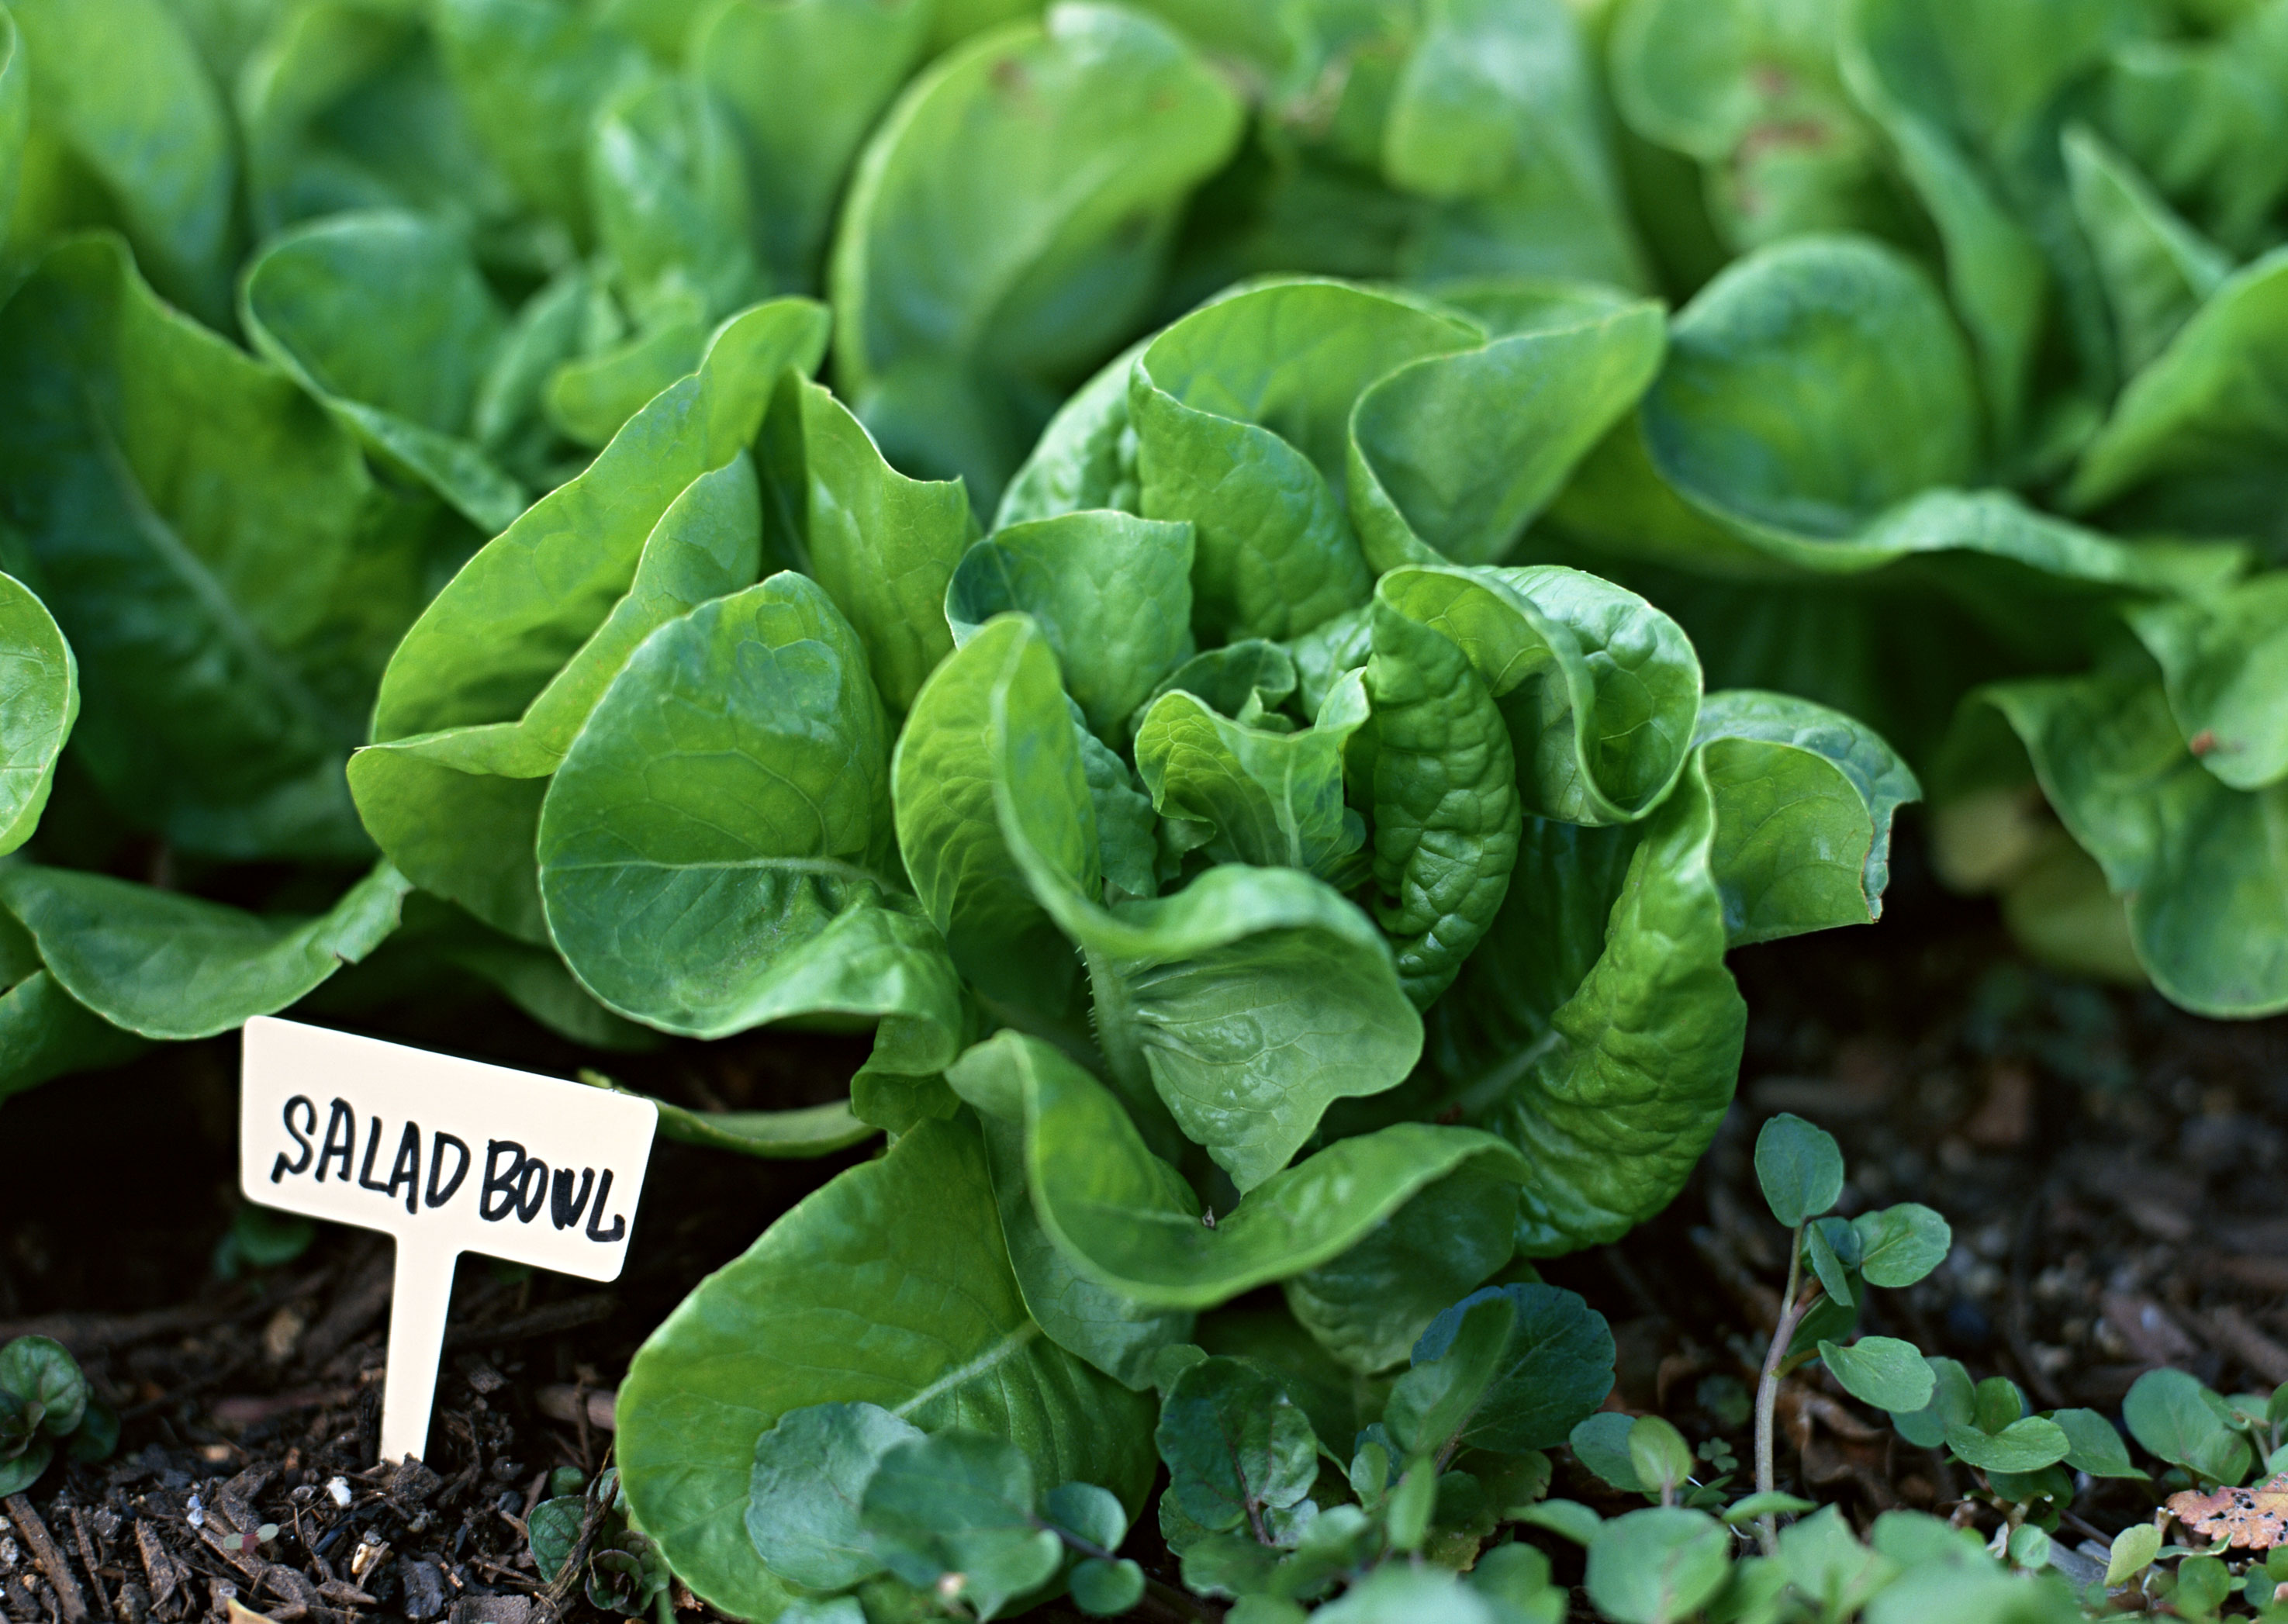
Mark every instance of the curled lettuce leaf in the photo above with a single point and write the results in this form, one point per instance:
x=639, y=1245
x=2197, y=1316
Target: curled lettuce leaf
x=1596, y=1027
x=1245, y=1003
x=882, y=546
x=385, y=320
x=228, y=572
x=713, y=853
x=1124, y=1218
x=488, y=689
x=2197, y=860
x=1249, y=795
x=1112, y=593
x=1240, y=413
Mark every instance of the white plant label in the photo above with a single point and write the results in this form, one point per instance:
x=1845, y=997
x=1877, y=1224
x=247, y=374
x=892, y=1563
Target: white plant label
x=447, y=1155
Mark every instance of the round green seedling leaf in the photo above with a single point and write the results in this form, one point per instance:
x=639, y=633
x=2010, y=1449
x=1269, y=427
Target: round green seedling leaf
x=2175, y=1417
x=1601, y=1443
x=42, y=1374
x=1234, y=1443
x=1658, y=1453
x=2025, y=1445
x=960, y=1507
x=1087, y=1512
x=2133, y=1550
x=1900, y=1245
x=1105, y=1588
x=2097, y=1448
x=553, y=1531
x=1657, y=1565
x=1952, y=1402
x=1508, y=1368
x=811, y=1472
x=20, y=1471
x=1800, y=1167
x=1882, y=1371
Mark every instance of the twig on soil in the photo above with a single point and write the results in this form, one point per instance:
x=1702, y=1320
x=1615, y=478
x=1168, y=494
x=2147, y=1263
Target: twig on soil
x=87, y=1559
x=58, y=1570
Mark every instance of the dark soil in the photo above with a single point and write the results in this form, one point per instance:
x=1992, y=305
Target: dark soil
x=2116, y=1172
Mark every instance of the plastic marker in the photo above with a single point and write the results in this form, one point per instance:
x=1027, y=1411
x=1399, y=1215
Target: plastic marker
x=448, y=1156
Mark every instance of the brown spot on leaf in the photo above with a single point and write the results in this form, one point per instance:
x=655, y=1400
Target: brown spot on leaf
x=2203, y=742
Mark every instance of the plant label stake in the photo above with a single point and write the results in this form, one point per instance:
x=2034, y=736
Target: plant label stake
x=446, y=1155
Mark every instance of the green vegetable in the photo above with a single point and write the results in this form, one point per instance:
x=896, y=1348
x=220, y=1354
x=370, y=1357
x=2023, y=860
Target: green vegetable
x=45, y=1405
x=1266, y=676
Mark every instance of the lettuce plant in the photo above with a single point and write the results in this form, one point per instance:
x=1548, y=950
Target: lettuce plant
x=1987, y=398
x=1355, y=929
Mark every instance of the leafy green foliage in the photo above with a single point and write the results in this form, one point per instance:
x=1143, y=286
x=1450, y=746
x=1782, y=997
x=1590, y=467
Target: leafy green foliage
x=40, y=701
x=1281, y=808
x=619, y=1568
x=1799, y=1167
x=46, y=1406
x=891, y=1287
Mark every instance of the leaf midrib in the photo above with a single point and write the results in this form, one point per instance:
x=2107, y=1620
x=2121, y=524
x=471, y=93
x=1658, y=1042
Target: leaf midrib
x=188, y=567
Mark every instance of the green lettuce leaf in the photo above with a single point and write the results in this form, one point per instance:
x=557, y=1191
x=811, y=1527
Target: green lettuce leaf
x=803, y=83
x=2194, y=857
x=1006, y=227
x=161, y=964
x=889, y=1287
x=131, y=131
x=884, y=546
x=1246, y=795
x=1240, y=413
x=1111, y=592
x=1127, y=1220
x=39, y=702
x=488, y=689
x=385, y=320
x=228, y=573
x=1245, y=1003
x=531, y=76
x=713, y=851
